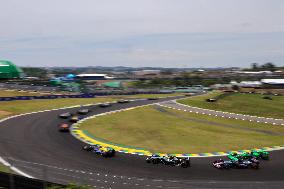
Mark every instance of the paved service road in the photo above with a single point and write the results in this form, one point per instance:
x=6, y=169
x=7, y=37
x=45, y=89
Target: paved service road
x=33, y=144
x=179, y=106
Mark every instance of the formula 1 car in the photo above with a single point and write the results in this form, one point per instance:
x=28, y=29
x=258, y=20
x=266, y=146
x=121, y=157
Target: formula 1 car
x=183, y=162
x=63, y=127
x=83, y=111
x=260, y=154
x=75, y=119
x=65, y=115
x=257, y=154
x=104, y=105
x=122, y=101
x=152, y=98
x=234, y=156
x=222, y=164
x=100, y=150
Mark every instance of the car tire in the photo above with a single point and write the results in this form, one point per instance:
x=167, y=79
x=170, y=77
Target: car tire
x=255, y=166
x=155, y=161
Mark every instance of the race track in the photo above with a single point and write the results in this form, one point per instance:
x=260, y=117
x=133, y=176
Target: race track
x=33, y=144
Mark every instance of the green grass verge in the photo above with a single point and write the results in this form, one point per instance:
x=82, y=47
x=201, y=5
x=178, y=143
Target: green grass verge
x=4, y=93
x=251, y=104
x=174, y=131
x=4, y=169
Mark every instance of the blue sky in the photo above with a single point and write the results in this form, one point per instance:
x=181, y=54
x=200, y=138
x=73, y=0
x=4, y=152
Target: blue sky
x=167, y=33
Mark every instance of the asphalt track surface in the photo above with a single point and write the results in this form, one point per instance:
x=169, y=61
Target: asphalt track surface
x=33, y=144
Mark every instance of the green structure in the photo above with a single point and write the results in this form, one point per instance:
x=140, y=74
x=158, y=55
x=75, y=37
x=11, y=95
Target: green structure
x=113, y=84
x=8, y=70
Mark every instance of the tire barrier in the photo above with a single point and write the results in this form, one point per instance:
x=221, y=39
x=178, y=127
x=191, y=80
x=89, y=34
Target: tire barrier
x=8, y=180
x=89, y=95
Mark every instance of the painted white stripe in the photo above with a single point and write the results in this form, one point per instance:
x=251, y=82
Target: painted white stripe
x=267, y=120
x=4, y=162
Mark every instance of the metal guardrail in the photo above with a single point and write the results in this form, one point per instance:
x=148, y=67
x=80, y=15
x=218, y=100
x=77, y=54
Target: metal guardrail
x=12, y=181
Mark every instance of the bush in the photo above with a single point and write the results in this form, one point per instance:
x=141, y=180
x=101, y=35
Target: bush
x=267, y=97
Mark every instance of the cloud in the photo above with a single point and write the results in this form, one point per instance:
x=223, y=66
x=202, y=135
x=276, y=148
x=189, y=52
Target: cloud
x=142, y=32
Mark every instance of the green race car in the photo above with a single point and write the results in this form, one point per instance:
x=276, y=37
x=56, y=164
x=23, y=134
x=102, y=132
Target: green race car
x=260, y=154
x=257, y=154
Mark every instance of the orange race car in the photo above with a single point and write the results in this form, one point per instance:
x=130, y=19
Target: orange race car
x=64, y=127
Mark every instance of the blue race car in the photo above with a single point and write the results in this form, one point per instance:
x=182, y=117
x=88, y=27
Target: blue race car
x=100, y=150
x=239, y=164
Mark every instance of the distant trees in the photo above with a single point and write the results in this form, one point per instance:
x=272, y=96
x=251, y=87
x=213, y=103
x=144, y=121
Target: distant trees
x=167, y=72
x=184, y=80
x=235, y=87
x=267, y=66
x=254, y=66
x=35, y=72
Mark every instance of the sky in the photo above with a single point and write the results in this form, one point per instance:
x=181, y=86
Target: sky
x=139, y=33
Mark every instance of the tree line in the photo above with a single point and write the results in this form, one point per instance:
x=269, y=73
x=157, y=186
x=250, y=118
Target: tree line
x=269, y=66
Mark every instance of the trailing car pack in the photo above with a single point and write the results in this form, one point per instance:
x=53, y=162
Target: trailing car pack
x=100, y=150
x=240, y=164
x=242, y=160
x=122, y=101
x=183, y=162
x=75, y=119
x=83, y=111
x=65, y=115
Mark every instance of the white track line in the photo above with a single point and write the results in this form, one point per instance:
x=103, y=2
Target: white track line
x=7, y=164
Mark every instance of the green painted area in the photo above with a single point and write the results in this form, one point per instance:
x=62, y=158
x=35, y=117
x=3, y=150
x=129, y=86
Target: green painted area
x=169, y=131
x=9, y=70
x=4, y=169
x=113, y=84
x=250, y=104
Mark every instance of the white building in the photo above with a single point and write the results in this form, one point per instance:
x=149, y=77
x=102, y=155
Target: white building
x=273, y=83
x=147, y=72
x=93, y=77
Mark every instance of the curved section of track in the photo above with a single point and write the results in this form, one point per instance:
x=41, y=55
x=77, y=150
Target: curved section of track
x=33, y=144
